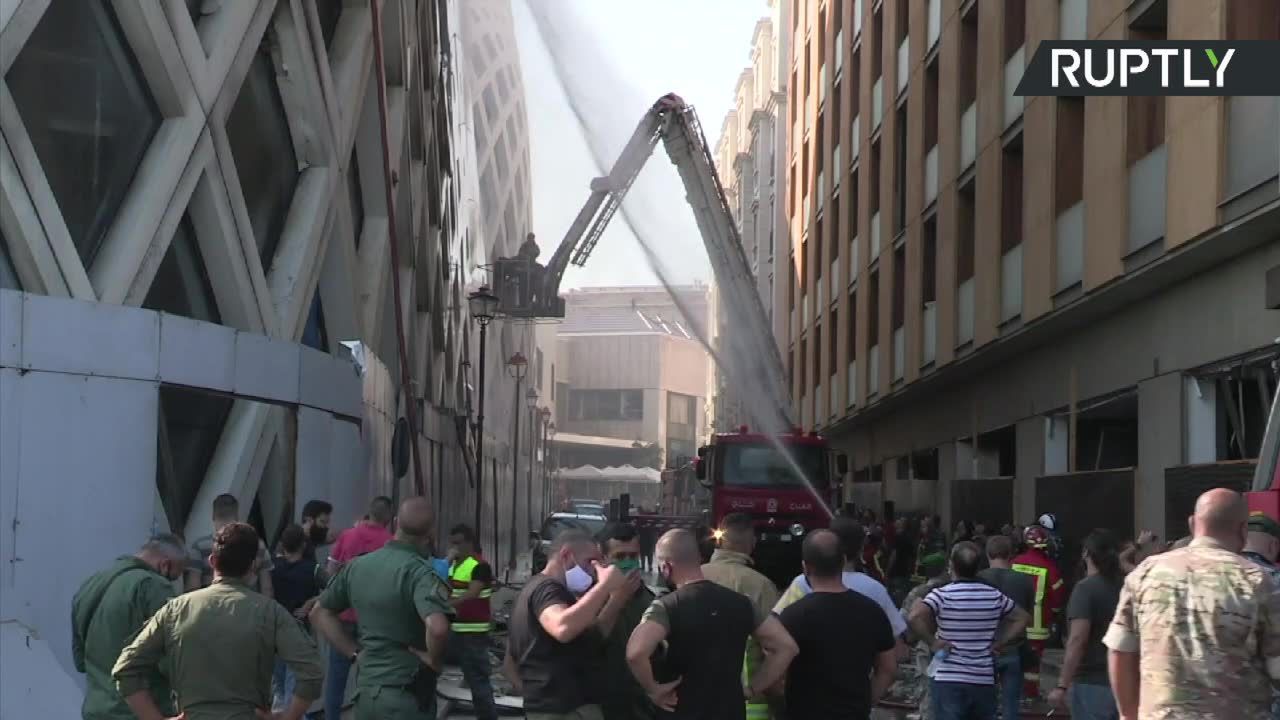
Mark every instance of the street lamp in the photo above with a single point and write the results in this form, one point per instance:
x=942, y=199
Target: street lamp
x=544, y=416
x=551, y=436
x=531, y=399
x=517, y=367
x=484, y=306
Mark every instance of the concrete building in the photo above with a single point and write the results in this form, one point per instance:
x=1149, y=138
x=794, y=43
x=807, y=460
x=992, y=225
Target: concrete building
x=196, y=286
x=631, y=370
x=1058, y=301
x=751, y=169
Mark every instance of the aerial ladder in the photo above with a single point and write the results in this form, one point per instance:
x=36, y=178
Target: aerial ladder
x=528, y=290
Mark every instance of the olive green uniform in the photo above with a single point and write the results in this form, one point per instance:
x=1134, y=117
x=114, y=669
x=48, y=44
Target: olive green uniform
x=222, y=642
x=393, y=590
x=107, y=611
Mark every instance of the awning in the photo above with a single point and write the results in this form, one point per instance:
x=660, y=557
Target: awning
x=624, y=473
x=596, y=440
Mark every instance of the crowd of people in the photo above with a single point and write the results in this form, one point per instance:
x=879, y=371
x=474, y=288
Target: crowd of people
x=1190, y=630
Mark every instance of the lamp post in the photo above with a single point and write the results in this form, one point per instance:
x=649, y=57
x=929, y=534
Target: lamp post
x=517, y=366
x=531, y=399
x=551, y=436
x=483, y=305
x=544, y=416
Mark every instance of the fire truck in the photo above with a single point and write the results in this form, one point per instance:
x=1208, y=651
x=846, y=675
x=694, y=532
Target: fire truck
x=1265, y=494
x=787, y=480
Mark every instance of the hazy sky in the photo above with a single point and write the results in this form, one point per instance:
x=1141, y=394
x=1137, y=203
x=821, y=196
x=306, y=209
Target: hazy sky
x=629, y=54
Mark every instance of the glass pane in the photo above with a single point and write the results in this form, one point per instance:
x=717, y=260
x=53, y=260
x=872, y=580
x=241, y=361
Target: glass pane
x=263, y=152
x=355, y=197
x=91, y=134
x=190, y=425
x=181, y=285
x=314, y=334
x=8, y=278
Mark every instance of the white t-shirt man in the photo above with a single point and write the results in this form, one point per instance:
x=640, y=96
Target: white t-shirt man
x=860, y=583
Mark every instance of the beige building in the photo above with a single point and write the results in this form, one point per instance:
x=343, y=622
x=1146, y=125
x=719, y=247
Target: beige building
x=1054, y=300
x=751, y=168
x=629, y=367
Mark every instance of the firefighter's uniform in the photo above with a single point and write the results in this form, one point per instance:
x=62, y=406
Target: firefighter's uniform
x=1035, y=561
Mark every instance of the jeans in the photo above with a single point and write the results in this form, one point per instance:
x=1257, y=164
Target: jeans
x=470, y=651
x=962, y=701
x=282, y=683
x=1009, y=684
x=1092, y=702
x=335, y=685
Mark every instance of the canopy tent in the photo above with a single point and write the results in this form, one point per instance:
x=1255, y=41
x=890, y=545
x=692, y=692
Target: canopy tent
x=625, y=473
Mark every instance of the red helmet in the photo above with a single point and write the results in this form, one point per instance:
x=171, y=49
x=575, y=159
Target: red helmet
x=1036, y=537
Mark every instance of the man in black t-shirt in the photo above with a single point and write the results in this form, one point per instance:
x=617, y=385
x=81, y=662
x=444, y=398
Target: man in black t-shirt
x=843, y=637
x=705, y=627
x=555, y=640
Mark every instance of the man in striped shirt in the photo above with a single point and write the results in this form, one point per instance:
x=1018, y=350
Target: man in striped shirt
x=960, y=621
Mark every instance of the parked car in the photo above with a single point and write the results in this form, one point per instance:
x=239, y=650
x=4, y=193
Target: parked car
x=557, y=523
x=586, y=506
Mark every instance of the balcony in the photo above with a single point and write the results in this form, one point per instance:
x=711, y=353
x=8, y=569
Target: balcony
x=899, y=353
x=934, y=22
x=835, y=279
x=875, y=235
x=855, y=258
x=1147, y=198
x=929, y=333
x=968, y=136
x=904, y=63
x=1011, y=284
x=855, y=131
x=834, y=408
x=873, y=370
x=964, y=312
x=853, y=383
x=877, y=102
x=1012, y=76
x=931, y=175
x=1069, y=249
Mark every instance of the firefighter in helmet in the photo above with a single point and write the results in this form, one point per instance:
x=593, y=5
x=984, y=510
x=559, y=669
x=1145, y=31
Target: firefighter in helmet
x=1037, y=562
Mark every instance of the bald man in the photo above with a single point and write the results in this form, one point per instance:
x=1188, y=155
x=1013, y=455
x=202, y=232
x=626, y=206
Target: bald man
x=404, y=620
x=1196, y=633
x=705, y=627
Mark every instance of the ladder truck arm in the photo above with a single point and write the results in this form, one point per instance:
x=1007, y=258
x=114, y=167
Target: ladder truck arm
x=753, y=359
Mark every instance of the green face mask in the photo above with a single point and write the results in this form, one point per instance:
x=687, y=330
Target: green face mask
x=627, y=565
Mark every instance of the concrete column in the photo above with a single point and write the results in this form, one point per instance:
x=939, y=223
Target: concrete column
x=1029, y=464
x=948, y=456
x=1201, y=411
x=1057, y=444
x=1160, y=443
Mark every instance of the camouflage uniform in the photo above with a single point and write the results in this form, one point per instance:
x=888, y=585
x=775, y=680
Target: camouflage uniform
x=921, y=653
x=1274, y=572
x=1206, y=624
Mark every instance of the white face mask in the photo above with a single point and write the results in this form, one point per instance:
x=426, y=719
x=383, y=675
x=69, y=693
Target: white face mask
x=578, y=580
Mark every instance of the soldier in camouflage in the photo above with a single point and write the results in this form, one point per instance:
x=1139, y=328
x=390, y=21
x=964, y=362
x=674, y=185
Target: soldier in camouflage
x=921, y=653
x=1196, y=634
x=1262, y=546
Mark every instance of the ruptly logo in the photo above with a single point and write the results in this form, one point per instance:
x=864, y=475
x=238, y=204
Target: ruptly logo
x=1121, y=67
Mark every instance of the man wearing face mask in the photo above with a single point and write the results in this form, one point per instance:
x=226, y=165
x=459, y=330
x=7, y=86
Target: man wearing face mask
x=558, y=623
x=624, y=699
x=109, y=609
x=705, y=627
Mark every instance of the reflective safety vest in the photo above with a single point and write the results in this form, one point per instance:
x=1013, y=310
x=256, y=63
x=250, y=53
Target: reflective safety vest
x=1048, y=592
x=471, y=616
x=755, y=710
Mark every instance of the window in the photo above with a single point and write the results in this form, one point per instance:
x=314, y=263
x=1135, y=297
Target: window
x=1015, y=26
x=931, y=105
x=802, y=362
x=314, y=334
x=899, y=287
x=355, y=198
x=91, y=134
x=190, y=426
x=967, y=92
x=537, y=368
x=606, y=404
x=1144, y=119
x=929, y=262
x=817, y=352
x=8, y=277
x=681, y=410
x=1068, y=158
x=851, y=341
x=1011, y=196
x=262, y=149
x=181, y=285
x=965, y=234
x=833, y=346
x=903, y=19
x=877, y=44
x=873, y=310
x=900, y=171
x=874, y=190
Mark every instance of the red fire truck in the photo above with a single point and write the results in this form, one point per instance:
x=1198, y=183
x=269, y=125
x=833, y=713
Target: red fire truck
x=788, y=484
x=1265, y=496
